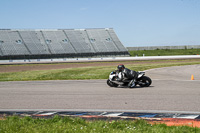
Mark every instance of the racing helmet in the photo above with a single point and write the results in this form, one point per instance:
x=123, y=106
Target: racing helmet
x=120, y=67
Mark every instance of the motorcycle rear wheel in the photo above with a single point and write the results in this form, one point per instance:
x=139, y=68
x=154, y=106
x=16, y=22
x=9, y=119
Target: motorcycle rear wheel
x=145, y=81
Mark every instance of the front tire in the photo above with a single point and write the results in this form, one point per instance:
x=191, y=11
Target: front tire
x=111, y=84
x=145, y=81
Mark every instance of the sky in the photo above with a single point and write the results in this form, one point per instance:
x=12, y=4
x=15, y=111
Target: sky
x=137, y=23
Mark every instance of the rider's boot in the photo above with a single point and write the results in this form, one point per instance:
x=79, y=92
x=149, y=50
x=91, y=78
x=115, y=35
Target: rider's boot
x=131, y=83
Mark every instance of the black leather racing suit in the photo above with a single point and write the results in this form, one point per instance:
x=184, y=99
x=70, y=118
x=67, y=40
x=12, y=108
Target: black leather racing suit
x=128, y=74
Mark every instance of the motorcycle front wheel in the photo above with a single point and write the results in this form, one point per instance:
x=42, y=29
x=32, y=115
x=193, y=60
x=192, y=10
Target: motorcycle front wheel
x=145, y=81
x=111, y=84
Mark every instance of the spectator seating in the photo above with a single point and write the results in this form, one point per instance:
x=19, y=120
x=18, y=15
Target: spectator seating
x=56, y=43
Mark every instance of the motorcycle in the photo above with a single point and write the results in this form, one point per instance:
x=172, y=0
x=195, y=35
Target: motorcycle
x=142, y=80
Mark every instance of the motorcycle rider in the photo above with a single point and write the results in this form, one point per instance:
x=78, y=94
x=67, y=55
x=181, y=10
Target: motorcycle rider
x=127, y=74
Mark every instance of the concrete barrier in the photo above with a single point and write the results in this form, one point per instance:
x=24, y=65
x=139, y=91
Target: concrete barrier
x=63, y=60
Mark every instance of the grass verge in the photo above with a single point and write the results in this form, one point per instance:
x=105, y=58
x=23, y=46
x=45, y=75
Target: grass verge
x=15, y=124
x=89, y=72
x=165, y=52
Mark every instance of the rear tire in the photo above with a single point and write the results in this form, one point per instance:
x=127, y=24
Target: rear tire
x=111, y=84
x=145, y=81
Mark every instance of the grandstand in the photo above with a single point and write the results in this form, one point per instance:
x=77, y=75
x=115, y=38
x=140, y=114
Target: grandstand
x=59, y=43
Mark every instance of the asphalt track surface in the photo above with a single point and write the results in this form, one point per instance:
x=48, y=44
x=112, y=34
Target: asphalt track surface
x=172, y=90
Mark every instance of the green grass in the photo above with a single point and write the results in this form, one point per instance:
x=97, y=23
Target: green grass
x=59, y=124
x=93, y=72
x=165, y=52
